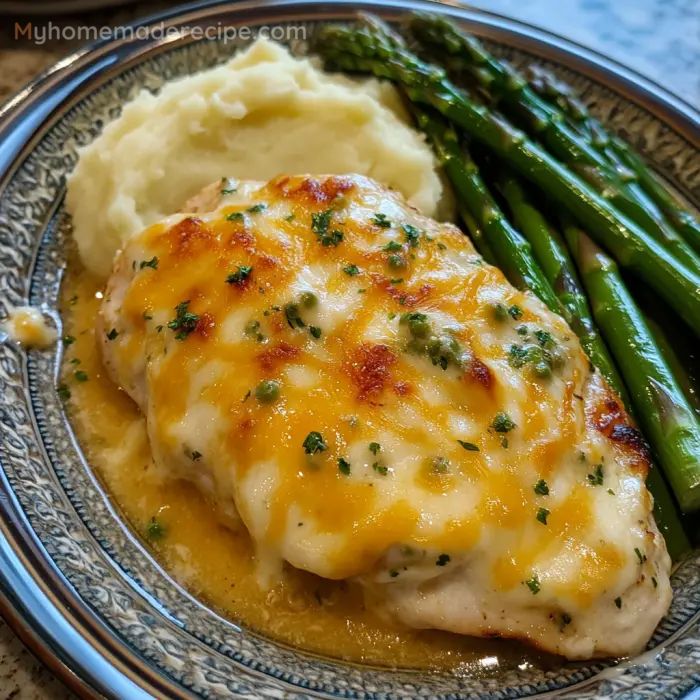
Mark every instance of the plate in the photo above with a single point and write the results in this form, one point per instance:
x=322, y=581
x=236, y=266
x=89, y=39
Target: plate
x=80, y=588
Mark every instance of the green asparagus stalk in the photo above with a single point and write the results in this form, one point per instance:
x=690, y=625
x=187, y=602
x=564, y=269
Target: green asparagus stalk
x=464, y=54
x=674, y=363
x=476, y=234
x=360, y=50
x=554, y=260
x=669, y=422
x=687, y=224
x=507, y=246
x=607, y=175
x=560, y=94
x=618, y=152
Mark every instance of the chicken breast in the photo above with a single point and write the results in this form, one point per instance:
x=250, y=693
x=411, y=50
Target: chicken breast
x=351, y=382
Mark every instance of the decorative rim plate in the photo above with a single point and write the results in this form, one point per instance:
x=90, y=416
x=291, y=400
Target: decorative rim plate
x=75, y=583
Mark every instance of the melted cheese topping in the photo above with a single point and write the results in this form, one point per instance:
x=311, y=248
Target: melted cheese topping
x=216, y=563
x=414, y=418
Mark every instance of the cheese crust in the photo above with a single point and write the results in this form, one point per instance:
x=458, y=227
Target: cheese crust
x=349, y=381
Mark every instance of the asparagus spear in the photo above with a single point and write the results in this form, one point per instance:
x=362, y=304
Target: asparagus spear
x=687, y=224
x=463, y=53
x=551, y=253
x=605, y=173
x=668, y=420
x=680, y=372
x=620, y=153
x=476, y=234
x=506, y=245
x=361, y=50
x=553, y=90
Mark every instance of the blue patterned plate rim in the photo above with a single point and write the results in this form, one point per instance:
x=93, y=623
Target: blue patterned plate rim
x=35, y=597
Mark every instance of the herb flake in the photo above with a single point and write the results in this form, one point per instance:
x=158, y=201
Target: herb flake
x=469, y=446
x=314, y=443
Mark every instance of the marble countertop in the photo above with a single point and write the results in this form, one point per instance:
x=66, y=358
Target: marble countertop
x=658, y=38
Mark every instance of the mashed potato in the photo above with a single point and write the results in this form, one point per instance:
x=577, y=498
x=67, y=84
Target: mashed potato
x=262, y=114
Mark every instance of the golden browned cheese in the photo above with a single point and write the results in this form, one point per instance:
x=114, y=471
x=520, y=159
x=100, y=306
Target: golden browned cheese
x=431, y=432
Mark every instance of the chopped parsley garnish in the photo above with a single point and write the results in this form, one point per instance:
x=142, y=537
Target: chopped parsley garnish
x=392, y=247
x=315, y=331
x=393, y=573
x=308, y=300
x=152, y=263
x=544, y=338
x=517, y=356
x=469, y=446
x=320, y=221
x=654, y=581
x=314, y=443
x=500, y=311
x=184, y=322
x=611, y=492
x=235, y=216
x=502, y=423
x=380, y=468
x=256, y=208
x=73, y=300
x=541, y=488
x=541, y=359
x=147, y=316
x=396, y=262
x=68, y=340
x=396, y=280
x=515, y=312
x=542, y=514
x=351, y=270
x=196, y=455
x=80, y=375
x=63, y=392
x=442, y=560
x=618, y=602
x=155, y=530
x=240, y=275
x=374, y=448
x=642, y=557
x=533, y=583
x=291, y=313
x=440, y=465
x=596, y=478
x=252, y=330
x=564, y=621
x=320, y=225
x=267, y=391
x=412, y=234
x=227, y=186
x=112, y=334
x=417, y=322
x=380, y=220
x=343, y=466
x=444, y=350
